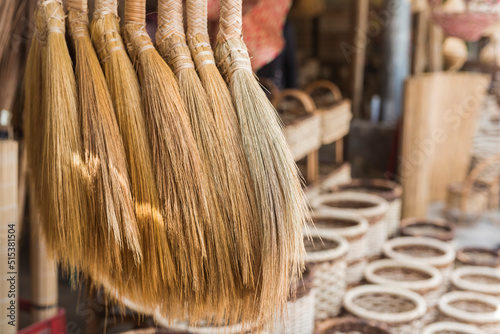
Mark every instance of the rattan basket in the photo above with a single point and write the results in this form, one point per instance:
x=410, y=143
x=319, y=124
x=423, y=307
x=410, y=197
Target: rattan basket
x=480, y=310
x=468, y=26
x=373, y=208
x=433, y=252
x=421, y=278
x=439, y=229
x=448, y=327
x=476, y=256
x=388, y=190
x=302, y=124
x=335, y=112
x=400, y=309
x=326, y=256
x=350, y=325
x=353, y=228
x=477, y=279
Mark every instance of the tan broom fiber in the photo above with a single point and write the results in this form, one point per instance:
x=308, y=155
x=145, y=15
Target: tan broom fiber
x=124, y=88
x=281, y=202
x=217, y=135
x=177, y=167
x=7, y=11
x=53, y=137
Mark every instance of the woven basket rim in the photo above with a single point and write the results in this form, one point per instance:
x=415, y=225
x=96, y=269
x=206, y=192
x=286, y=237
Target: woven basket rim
x=480, y=318
x=464, y=258
x=447, y=258
x=393, y=192
x=390, y=318
x=329, y=254
x=463, y=284
x=380, y=207
x=322, y=326
x=183, y=326
x=445, y=236
x=436, y=327
x=433, y=282
x=359, y=228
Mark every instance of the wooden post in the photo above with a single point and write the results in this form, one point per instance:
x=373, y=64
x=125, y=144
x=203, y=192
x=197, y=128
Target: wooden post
x=360, y=11
x=44, y=284
x=422, y=28
x=339, y=151
x=312, y=167
x=435, y=47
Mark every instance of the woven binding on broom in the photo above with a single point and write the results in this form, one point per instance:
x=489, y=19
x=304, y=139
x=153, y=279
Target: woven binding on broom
x=281, y=203
x=53, y=138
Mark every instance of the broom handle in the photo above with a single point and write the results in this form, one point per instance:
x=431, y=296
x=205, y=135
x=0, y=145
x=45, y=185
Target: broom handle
x=135, y=11
x=230, y=22
x=78, y=5
x=170, y=18
x=103, y=7
x=197, y=17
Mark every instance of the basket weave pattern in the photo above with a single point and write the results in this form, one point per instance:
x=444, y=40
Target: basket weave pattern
x=393, y=217
x=299, y=317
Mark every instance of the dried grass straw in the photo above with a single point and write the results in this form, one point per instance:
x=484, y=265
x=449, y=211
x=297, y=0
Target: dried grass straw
x=124, y=89
x=7, y=19
x=281, y=204
x=216, y=132
x=53, y=137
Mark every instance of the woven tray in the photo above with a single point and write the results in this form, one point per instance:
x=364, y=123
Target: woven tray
x=433, y=252
x=388, y=190
x=480, y=310
x=350, y=325
x=430, y=228
x=400, y=309
x=326, y=256
x=302, y=125
x=477, y=279
x=335, y=112
x=448, y=327
x=476, y=256
x=353, y=228
x=421, y=278
x=371, y=207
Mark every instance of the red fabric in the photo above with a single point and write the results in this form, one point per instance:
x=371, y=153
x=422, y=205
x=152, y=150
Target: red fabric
x=263, y=22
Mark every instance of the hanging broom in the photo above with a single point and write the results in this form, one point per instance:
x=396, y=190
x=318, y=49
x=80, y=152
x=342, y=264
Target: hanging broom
x=124, y=88
x=281, y=203
x=177, y=167
x=112, y=220
x=53, y=137
x=217, y=135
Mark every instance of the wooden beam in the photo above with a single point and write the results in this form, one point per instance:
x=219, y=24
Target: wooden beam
x=312, y=167
x=360, y=24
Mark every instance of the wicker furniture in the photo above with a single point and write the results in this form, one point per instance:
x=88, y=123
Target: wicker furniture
x=480, y=310
x=400, y=309
x=334, y=111
x=476, y=256
x=421, y=278
x=353, y=228
x=388, y=190
x=350, y=325
x=430, y=228
x=326, y=257
x=477, y=279
x=430, y=251
x=448, y=327
x=371, y=207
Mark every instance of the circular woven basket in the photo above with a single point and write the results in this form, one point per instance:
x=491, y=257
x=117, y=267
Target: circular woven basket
x=476, y=256
x=371, y=207
x=480, y=310
x=477, y=279
x=468, y=26
x=448, y=327
x=433, y=252
x=353, y=228
x=421, y=278
x=430, y=228
x=388, y=190
x=350, y=325
x=326, y=256
x=400, y=309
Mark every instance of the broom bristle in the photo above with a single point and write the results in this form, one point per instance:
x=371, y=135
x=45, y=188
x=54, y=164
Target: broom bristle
x=114, y=243
x=53, y=138
x=176, y=163
x=281, y=201
x=123, y=85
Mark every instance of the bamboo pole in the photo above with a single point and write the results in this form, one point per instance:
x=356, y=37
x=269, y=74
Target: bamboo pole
x=358, y=65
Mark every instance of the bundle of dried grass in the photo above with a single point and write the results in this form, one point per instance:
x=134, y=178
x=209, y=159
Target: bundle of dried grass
x=124, y=88
x=53, y=137
x=281, y=203
x=177, y=167
x=216, y=131
x=7, y=17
